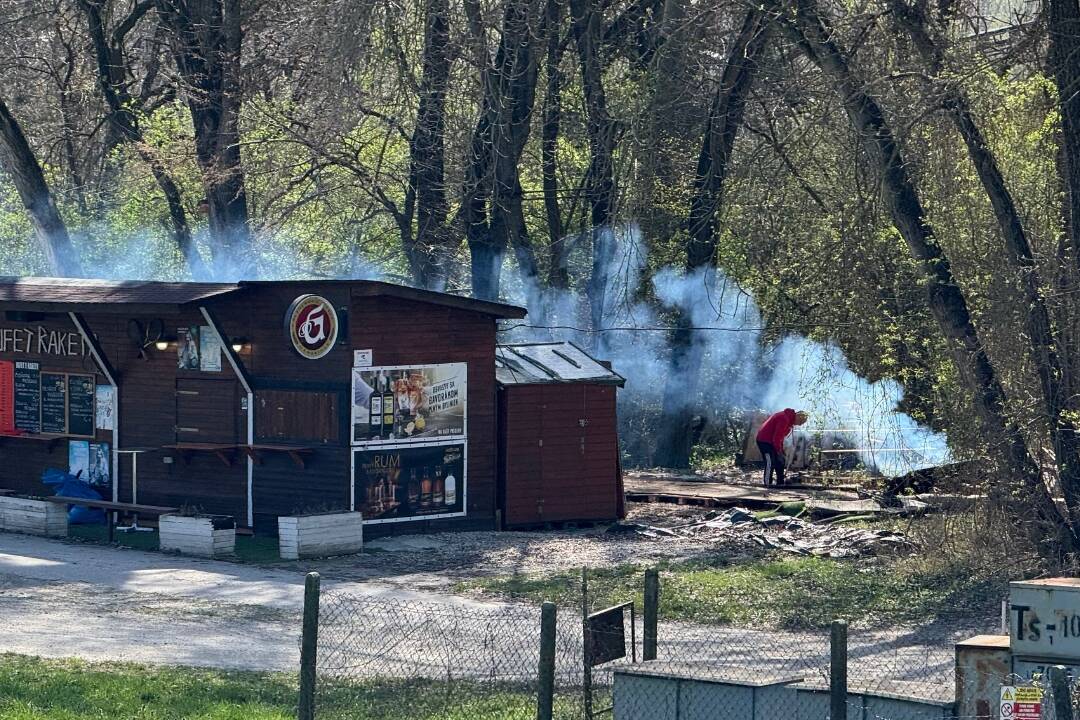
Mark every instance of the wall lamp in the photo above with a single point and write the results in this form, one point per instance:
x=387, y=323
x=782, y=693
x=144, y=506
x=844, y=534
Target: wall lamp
x=163, y=343
x=238, y=344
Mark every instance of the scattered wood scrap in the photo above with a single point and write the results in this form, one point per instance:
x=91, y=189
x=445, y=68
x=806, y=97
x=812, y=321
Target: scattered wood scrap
x=784, y=533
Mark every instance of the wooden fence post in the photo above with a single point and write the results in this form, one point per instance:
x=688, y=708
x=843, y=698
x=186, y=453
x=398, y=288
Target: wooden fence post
x=308, y=648
x=838, y=657
x=652, y=613
x=1059, y=688
x=545, y=702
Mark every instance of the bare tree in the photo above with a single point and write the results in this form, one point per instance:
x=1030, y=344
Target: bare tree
x=21, y=164
x=206, y=39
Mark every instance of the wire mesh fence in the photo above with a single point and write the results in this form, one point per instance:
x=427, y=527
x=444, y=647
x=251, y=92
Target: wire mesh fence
x=393, y=658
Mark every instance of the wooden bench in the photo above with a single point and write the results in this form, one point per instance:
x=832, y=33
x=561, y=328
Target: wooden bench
x=112, y=508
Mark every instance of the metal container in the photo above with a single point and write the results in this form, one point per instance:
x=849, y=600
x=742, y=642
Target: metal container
x=658, y=690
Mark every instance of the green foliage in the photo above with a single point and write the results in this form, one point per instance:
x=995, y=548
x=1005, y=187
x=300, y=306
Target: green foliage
x=36, y=689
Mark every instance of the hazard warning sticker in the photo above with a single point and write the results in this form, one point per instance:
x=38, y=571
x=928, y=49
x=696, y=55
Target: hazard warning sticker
x=1021, y=703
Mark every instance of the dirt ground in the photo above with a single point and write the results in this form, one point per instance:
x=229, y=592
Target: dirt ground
x=437, y=561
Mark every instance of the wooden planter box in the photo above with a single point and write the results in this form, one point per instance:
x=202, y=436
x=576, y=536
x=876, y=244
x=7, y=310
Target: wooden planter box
x=36, y=517
x=304, y=536
x=203, y=535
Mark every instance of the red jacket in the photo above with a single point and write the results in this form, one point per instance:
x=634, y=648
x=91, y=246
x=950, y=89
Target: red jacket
x=777, y=427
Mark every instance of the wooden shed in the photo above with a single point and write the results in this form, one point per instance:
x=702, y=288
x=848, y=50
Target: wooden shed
x=255, y=399
x=558, y=435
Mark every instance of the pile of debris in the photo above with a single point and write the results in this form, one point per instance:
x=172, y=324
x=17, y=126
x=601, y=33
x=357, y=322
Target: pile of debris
x=786, y=533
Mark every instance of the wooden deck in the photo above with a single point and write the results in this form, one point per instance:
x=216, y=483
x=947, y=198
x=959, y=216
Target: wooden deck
x=694, y=490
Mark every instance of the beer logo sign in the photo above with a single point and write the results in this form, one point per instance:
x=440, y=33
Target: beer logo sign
x=312, y=325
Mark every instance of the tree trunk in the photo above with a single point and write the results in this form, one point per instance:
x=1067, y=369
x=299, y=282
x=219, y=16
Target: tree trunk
x=721, y=128
x=124, y=127
x=587, y=28
x=945, y=300
x=558, y=270
x=491, y=209
x=206, y=44
x=19, y=161
x=427, y=174
x=1043, y=344
x=1063, y=22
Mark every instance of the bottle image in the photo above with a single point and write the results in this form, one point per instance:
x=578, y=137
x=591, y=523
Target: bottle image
x=438, y=488
x=388, y=409
x=375, y=416
x=450, y=495
x=414, y=489
x=426, y=487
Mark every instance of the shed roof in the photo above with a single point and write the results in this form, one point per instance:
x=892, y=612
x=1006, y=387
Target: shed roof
x=550, y=363
x=60, y=294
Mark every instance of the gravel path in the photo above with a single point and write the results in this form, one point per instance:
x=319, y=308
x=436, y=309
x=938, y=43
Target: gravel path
x=60, y=599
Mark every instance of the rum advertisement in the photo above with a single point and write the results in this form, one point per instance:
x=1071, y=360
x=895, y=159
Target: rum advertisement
x=408, y=403
x=410, y=482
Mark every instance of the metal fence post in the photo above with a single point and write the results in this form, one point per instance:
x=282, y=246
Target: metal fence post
x=308, y=647
x=1059, y=686
x=587, y=652
x=838, y=657
x=652, y=613
x=545, y=701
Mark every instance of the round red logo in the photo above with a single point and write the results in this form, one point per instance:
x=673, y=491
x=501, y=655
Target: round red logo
x=312, y=325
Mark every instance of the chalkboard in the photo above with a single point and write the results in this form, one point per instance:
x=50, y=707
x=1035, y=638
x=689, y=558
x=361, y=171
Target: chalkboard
x=81, y=405
x=54, y=403
x=27, y=397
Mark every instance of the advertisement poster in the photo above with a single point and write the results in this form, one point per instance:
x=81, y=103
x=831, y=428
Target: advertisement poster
x=187, y=348
x=408, y=403
x=99, y=464
x=410, y=482
x=209, y=350
x=79, y=459
x=103, y=418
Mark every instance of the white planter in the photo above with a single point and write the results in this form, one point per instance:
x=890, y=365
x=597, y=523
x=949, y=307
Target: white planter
x=36, y=517
x=304, y=536
x=206, y=535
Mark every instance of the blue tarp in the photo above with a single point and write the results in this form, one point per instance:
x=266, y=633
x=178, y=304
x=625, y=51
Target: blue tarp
x=68, y=485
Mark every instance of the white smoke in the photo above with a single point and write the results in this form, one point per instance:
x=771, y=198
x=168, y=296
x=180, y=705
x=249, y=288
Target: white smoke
x=738, y=370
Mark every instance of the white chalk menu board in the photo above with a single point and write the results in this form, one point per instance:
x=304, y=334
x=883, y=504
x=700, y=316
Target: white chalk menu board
x=54, y=403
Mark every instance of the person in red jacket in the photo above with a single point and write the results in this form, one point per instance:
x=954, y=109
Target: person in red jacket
x=770, y=441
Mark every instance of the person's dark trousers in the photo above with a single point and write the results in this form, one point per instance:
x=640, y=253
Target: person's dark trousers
x=774, y=461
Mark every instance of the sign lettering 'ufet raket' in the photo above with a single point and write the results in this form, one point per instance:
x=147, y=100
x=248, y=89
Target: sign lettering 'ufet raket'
x=41, y=340
x=312, y=326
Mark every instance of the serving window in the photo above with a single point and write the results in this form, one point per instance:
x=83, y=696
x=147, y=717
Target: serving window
x=298, y=416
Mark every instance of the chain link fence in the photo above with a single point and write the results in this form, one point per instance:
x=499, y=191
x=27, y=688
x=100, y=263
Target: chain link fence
x=391, y=658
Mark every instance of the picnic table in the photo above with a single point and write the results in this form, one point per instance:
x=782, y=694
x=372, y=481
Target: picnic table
x=112, y=508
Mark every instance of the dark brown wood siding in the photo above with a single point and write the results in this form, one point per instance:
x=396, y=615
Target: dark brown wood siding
x=398, y=331
x=560, y=453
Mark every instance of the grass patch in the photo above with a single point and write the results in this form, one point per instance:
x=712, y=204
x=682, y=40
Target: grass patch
x=36, y=689
x=775, y=591
x=252, y=549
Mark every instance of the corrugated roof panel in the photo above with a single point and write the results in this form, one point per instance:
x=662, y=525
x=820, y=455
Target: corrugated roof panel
x=555, y=362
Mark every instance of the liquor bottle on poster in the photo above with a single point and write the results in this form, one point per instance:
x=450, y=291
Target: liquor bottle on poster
x=437, y=488
x=426, y=487
x=414, y=489
x=450, y=495
x=388, y=408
